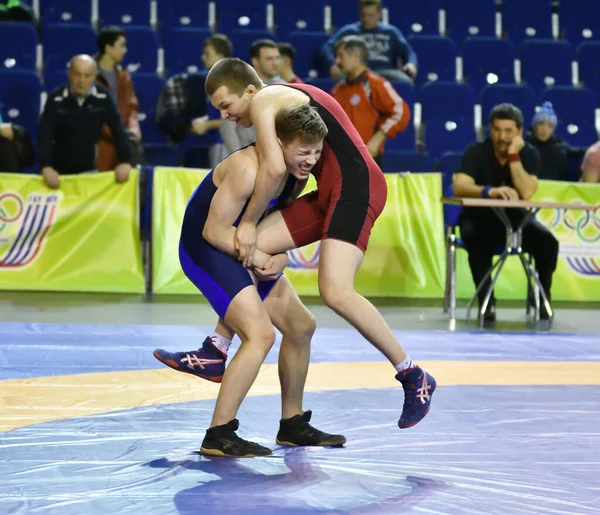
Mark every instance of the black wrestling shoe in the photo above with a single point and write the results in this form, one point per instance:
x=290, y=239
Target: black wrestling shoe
x=297, y=432
x=223, y=441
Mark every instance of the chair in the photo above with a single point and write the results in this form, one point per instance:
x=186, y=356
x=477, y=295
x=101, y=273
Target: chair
x=241, y=14
x=124, y=12
x=443, y=100
x=342, y=12
x=546, y=63
x=197, y=157
x=178, y=14
x=17, y=46
x=443, y=136
x=406, y=161
x=147, y=88
x=55, y=78
x=242, y=40
x=521, y=96
x=525, y=20
x=66, y=11
x=420, y=17
x=579, y=20
x=322, y=83
x=575, y=109
x=588, y=57
x=466, y=18
x=453, y=243
x=63, y=41
x=404, y=140
x=291, y=17
x=448, y=165
x=161, y=155
x=142, y=50
x=20, y=92
x=308, y=61
x=488, y=60
x=437, y=58
x=183, y=48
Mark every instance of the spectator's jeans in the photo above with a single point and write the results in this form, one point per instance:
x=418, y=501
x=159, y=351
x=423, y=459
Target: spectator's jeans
x=395, y=74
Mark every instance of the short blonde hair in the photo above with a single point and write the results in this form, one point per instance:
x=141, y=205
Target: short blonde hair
x=300, y=121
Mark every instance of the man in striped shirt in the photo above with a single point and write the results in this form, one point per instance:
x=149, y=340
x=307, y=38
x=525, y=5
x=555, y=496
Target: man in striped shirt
x=370, y=101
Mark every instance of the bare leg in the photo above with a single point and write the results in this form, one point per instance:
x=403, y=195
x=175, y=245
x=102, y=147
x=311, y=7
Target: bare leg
x=224, y=330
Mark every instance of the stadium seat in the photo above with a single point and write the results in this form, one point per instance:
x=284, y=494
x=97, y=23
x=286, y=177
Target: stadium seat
x=63, y=41
x=466, y=18
x=447, y=101
x=488, y=60
x=55, y=77
x=448, y=165
x=448, y=136
x=17, y=46
x=420, y=17
x=177, y=14
x=395, y=161
x=588, y=57
x=404, y=140
x=521, y=96
x=308, y=62
x=579, y=20
x=161, y=155
x=142, y=50
x=342, y=12
x=66, y=11
x=147, y=88
x=124, y=12
x=322, y=83
x=546, y=63
x=308, y=15
x=196, y=157
x=241, y=14
x=183, y=50
x=575, y=109
x=437, y=58
x=20, y=92
x=524, y=20
x=242, y=40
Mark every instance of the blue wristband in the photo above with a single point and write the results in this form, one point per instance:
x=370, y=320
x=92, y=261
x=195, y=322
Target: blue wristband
x=485, y=192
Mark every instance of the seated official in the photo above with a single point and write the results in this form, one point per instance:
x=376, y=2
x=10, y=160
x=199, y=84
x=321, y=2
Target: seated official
x=502, y=167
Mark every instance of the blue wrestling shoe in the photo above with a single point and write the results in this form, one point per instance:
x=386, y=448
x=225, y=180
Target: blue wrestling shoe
x=418, y=388
x=207, y=362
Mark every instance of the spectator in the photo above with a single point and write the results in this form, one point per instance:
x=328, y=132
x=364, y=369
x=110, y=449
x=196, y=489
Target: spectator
x=16, y=148
x=590, y=168
x=264, y=58
x=287, y=54
x=390, y=54
x=371, y=102
x=112, y=47
x=71, y=125
x=502, y=167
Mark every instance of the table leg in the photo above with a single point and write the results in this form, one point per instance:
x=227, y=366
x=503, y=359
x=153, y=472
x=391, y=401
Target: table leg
x=480, y=285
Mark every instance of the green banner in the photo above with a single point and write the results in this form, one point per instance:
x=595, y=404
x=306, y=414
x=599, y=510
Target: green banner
x=577, y=277
x=81, y=237
x=405, y=255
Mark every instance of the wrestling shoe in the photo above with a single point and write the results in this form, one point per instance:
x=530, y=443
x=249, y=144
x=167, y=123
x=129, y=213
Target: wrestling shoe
x=208, y=362
x=223, y=441
x=297, y=432
x=418, y=388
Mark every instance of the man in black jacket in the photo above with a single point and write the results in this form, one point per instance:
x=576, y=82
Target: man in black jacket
x=71, y=126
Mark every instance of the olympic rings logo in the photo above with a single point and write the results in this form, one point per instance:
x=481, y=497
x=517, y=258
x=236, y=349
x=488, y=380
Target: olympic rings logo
x=586, y=227
x=11, y=209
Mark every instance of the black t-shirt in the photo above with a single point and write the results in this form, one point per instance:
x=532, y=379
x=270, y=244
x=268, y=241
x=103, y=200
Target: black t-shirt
x=480, y=163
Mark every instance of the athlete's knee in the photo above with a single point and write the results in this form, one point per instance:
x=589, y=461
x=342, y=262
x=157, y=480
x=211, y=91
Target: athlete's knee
x=336, y=296
x=259, y=334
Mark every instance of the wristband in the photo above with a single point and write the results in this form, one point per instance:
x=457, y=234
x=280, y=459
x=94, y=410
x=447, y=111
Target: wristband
x=514, y=158
x=485, y=192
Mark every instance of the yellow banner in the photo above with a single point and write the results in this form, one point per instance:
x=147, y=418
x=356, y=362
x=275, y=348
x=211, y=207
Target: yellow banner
x=82, y=237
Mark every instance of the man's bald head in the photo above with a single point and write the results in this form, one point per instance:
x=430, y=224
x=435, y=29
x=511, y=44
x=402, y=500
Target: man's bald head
x=82, y=74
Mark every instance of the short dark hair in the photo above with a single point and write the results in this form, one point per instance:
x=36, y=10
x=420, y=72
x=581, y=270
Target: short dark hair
x=507, y=112
x=234, y=73
x=221, y=44
x=261, y=43
x=108, y=36
x=370, y=3
x=354, y=44
x=300, y=121
x=287, y=50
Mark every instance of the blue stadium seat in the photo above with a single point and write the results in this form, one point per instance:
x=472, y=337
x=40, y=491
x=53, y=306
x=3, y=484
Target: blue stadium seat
x=588, y=57
x=196, y=157
x=241, y=14
x=242, y=39
x=575, y=109
x=177, y=14
x=579, y=20
x=524, y=20
x=20, y=92
x=64, y=41
x=308, y=60
x=307, y=15
x=437, y=58
x=66, y=11
x=322, y=83
x=395, y=161
x=343, y=12
x=420, y=17
x=521, y=96
x=55, y=76
x=404, y=140
x=147, y=88
x=124, y=12
x=448, y=165
x=448, y=136
x=546, y=63
x=17, y=46
x=142, y=50
x=447, y=101
x=466, y=18
x=183, y=48
x=161, y=155
x=488, y=60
